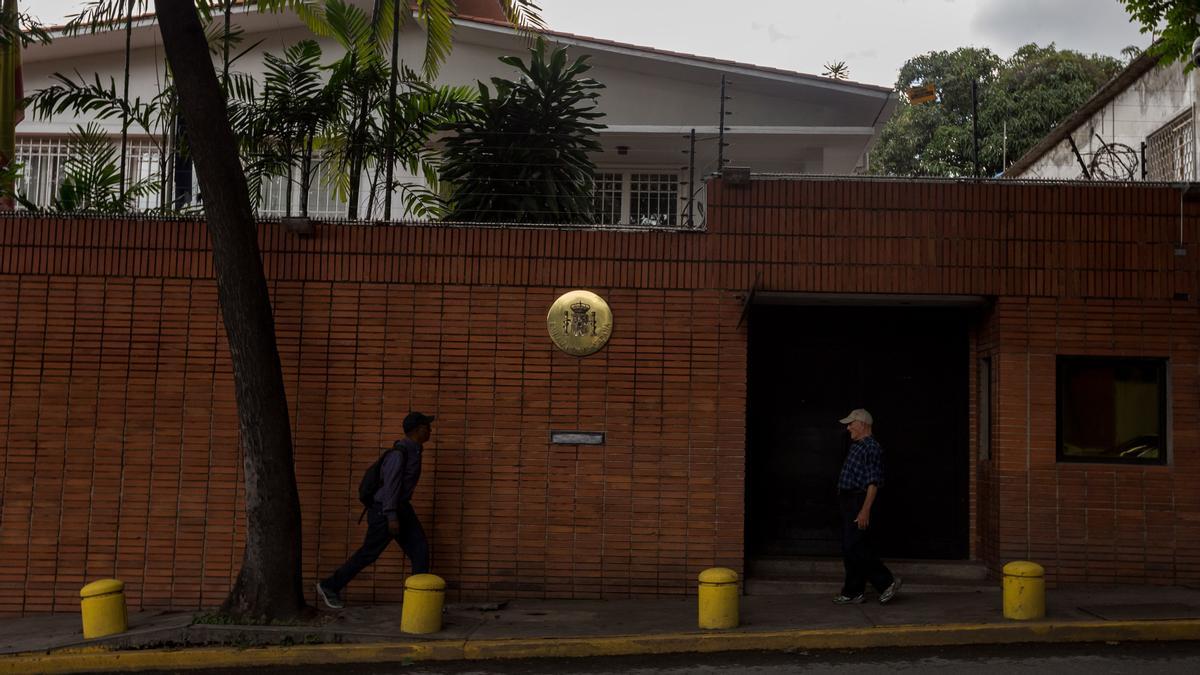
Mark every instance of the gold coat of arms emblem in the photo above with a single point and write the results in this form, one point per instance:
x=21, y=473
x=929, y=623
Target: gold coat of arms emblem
x=579, y=322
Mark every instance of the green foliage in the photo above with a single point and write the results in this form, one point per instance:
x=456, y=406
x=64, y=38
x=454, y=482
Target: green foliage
x=837, y=70
x=435, y=15
x=92, y=182
x=21, y=28
x=1172, y=22
x=306, y=114
x=303, y=113
x=522, y=153
x=1022, y=98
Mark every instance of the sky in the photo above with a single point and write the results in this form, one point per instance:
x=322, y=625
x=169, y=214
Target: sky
x=873, y=37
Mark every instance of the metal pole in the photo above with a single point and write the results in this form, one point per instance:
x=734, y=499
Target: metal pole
x=721, y=131
x=225, y=47
x=391, y=125
x=975, y=122
x=691, y=181
x=125, y=96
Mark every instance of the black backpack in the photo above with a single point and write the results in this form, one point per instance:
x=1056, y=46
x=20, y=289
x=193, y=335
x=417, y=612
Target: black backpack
x=372, y=480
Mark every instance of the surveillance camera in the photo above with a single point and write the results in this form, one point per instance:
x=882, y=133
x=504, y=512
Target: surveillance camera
x=1196, y=53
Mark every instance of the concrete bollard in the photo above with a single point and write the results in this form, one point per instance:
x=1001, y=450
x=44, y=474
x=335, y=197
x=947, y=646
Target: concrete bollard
x=102, y=607
x=718, y=598
x=1024, y=590
x=423, y=598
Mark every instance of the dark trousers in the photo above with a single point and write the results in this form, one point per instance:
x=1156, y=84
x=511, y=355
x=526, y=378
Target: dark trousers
x=411, y=539
x=858, y=553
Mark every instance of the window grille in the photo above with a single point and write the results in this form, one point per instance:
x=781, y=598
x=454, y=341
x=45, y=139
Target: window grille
x=654, y=199
x=44, y=167
x=609, y=198
x=1171, y=151
x=630, y=198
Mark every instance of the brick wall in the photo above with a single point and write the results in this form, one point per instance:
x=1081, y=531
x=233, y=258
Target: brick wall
x=120, y=434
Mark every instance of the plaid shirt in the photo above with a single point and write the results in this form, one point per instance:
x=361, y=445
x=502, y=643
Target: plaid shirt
x=864, y=465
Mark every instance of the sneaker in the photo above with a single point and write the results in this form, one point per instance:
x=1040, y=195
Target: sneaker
x=848, y=600
x=890, y=592
x=331, y=599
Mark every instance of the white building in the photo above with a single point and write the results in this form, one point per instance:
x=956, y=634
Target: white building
x=1139, y=126
x=779, y=121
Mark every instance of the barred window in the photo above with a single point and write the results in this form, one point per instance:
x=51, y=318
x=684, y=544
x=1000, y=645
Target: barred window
x=654, y=199
x=322, y=200
x=632, y=198
x=608, y=198
x=1171, y=151
x=43, y=160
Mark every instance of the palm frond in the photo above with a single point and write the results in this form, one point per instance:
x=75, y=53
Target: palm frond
x=438, y=17
x=525, y=15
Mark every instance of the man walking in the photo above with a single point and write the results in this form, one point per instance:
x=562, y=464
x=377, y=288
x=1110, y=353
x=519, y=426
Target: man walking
x=391, y=516
x=861, y=478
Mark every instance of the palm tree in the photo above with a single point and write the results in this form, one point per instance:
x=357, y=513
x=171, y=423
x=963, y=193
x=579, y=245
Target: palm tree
x=522, y=155
x=91, y=180
x=837, y=70
x=17, y=31
x=279, y=128
x=437, y=16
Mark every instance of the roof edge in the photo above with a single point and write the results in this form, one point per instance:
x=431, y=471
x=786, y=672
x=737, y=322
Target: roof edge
x=705, y=60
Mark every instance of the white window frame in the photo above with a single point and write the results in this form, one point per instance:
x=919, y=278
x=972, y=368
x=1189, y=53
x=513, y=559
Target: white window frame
x=627, y=172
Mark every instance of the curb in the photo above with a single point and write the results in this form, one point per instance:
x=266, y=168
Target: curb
x=101, y=660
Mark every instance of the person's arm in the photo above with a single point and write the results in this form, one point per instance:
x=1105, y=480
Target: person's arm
x=392, y=483
x=864, y=514
x=410, y=473
x=874, y=479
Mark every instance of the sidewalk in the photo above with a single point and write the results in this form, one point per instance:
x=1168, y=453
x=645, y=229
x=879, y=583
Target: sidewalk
x=539, y=628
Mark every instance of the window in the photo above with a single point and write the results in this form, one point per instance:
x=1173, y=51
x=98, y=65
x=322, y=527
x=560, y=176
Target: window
x=983, y=405
x=608, y=198
x=630, y=198
x=1112, y=410
x=1170, y=151
x=654, y=199
x=43, y=171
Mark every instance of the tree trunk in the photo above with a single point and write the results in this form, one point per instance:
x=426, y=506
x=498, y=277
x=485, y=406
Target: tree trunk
x=306, y=169
x=125, y=97
x=269, y=584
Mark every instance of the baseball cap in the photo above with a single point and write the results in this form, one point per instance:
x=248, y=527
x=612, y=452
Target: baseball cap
x=859, y=415
x=415, y=419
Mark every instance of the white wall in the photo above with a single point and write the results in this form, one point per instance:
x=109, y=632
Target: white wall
x=1157, y=97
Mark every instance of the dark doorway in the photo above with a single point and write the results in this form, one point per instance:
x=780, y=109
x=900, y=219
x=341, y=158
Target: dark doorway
x=808, y=367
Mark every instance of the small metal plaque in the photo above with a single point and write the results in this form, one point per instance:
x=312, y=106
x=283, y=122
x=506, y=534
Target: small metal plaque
x=577, y=437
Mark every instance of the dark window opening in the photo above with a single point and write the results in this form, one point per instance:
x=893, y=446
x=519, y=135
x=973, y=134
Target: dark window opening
x=1112, y=410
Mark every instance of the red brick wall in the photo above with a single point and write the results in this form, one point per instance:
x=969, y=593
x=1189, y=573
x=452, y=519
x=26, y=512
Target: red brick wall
x=120, y=434
x=1097, y=523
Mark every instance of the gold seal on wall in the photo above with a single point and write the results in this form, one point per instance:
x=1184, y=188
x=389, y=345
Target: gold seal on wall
x=579, y=322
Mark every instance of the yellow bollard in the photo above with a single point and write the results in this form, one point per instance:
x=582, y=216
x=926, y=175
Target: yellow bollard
x=1024, y=590
x=423, y=597
x=102, y=606
x=718, y=598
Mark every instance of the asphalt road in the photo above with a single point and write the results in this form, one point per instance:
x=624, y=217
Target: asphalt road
x=1085, y=659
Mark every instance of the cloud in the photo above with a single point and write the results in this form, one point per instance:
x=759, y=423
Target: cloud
x=773, y=33
x=1087, y=25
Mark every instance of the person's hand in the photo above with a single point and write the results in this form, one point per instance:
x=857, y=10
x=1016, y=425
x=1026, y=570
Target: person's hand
x=394, y=527
x=863, y=519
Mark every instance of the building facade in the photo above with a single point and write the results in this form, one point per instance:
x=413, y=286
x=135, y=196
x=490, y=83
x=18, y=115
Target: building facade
x=1140, y=126
x=647, y=170
x=1031, y=354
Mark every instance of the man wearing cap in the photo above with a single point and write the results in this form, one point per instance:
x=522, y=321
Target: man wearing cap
x=391, y=516
x=859, y=483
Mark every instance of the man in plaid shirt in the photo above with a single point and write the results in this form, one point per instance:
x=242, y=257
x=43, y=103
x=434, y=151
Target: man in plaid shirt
x=859, y=483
